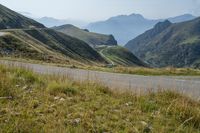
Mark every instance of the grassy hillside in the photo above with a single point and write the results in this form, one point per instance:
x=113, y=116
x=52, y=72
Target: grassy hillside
x=10, y=19
x=91, y=38
x=34, y=103
x=47, y=45
x=169, y=44
x=120, y=56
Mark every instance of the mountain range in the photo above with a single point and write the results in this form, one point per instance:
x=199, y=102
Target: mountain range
x=21, y=37
x=126, y=27
x=169, y=44
x=51, y=22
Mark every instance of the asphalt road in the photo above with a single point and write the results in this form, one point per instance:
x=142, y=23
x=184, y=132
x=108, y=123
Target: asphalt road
x=187, y=85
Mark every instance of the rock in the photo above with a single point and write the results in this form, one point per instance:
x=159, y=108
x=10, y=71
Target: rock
x=56, y=98
x=129, y=103
x=76, y=121
x=62, y=99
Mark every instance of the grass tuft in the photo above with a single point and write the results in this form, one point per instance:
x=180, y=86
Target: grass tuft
x=55, y=88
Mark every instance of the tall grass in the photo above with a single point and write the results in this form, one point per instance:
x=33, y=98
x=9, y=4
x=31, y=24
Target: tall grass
x=44, y=103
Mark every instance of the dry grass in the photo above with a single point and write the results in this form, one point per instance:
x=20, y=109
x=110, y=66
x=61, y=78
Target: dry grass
x=168, y=71
x=37, y=103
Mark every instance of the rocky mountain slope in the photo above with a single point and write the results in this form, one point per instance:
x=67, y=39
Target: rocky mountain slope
x=169, y=44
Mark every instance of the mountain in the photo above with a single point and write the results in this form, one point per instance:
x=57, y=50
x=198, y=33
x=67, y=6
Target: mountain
x=121, y=56
x=10, y=19
x=91, y=38
x=169, y=44
x=47, y=45
x=25, y=38
x=106, y=45
x=22, y=37
x=181, y=18
x=51, y=22
x=127, y=27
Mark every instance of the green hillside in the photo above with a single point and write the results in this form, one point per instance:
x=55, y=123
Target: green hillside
x=169, y=44
x=91, y=38
x=117, y=55
x=10, y=19
x=47, y=45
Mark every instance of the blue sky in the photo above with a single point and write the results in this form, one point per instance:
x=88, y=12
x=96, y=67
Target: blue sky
x=93, y=10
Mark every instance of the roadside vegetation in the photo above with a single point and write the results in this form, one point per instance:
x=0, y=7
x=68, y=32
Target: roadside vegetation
x=48, y=103
x=168, y=71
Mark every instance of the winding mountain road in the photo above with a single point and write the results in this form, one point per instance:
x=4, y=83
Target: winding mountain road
x=102, y=54
x=188, y=85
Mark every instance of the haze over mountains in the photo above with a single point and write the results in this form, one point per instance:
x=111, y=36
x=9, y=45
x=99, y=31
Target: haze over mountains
x=169, y=44
x=51, y=22
x=127, y=27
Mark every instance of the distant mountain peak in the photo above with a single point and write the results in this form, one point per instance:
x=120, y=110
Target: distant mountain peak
x=131, y=16
x=163, y=25
x=136, y=15
x=182, y=18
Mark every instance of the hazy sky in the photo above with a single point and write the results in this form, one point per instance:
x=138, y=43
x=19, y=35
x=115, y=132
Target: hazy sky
x=93, y=10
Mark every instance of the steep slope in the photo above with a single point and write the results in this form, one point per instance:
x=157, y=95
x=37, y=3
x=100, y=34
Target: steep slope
x=90, y=38
x=126, y=27
x=10, y=19
x=46, y=44
x=169, y=44
x=117, y=55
